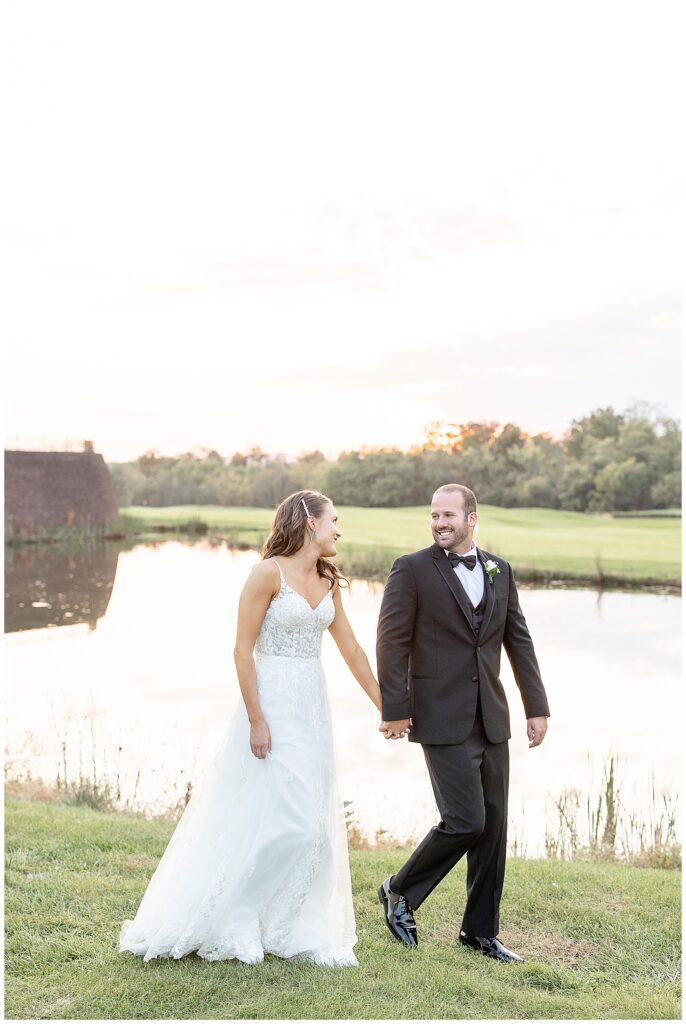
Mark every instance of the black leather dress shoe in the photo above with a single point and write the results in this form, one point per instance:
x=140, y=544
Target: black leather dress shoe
x=490, y=946
x=398, y=915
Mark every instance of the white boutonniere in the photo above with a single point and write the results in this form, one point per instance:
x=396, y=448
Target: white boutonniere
x=492, y=568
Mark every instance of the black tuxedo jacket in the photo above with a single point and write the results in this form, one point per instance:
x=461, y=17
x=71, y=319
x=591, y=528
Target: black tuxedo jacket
x=431, y=664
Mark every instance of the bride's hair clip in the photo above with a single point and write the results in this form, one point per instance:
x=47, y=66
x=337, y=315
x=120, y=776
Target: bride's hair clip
x=307, y=511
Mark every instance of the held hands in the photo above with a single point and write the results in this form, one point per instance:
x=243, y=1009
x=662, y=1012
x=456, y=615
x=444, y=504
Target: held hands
x=536, y=728
x=260, y=739
x=396, y=730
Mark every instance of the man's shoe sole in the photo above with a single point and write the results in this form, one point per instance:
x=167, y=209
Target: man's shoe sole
x=484, y=952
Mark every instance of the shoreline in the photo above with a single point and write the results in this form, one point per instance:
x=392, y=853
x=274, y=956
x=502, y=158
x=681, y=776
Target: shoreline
x=568, y=844
x=545, y=579
x=356, y=841
x=368, y=564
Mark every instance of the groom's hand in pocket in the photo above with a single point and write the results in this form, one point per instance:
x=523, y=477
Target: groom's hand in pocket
x=396, y=730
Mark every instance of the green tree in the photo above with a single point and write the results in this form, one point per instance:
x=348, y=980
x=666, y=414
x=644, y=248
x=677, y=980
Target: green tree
x=601, y=424
x=607, y=461
x=621, y=486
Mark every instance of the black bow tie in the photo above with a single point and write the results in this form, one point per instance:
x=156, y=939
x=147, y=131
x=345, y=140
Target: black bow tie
x=468, y=560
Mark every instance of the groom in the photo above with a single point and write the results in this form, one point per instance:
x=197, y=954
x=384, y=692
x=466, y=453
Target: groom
x=446, y=613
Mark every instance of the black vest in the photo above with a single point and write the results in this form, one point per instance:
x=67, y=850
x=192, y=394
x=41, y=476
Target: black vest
x=478, y=612
x=477, y=619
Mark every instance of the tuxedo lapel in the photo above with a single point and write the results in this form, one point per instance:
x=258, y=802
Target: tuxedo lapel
x=490, y=594
x=448, y=573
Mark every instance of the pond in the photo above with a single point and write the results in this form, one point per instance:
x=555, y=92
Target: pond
x=121, y=663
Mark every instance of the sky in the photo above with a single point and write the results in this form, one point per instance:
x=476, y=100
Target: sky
x=306, y=225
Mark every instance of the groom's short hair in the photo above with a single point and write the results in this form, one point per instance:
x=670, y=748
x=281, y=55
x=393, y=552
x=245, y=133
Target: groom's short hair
x=468, y=497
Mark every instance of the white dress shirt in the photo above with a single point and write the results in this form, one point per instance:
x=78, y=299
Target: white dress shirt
x=471, y=579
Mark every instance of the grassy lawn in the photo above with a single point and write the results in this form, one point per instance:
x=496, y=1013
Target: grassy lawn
x=600, y=941
x=566, y=545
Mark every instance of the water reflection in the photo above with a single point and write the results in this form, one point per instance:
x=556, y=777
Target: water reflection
x=153, y=689
x=46, y=588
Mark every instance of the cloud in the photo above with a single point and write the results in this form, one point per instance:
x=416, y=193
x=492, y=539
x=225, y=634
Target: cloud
x=542, y=376
x=350, y=247
x=421, y=231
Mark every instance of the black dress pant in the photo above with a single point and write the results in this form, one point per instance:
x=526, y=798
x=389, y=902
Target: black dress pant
x=470, y=782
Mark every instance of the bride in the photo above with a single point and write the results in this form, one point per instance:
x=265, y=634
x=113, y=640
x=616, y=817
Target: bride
x=258, y=862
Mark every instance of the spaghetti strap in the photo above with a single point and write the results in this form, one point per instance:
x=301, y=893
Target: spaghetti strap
x=283, y=578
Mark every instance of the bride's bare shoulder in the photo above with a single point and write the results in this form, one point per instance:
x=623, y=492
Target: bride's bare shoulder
x=264, y=576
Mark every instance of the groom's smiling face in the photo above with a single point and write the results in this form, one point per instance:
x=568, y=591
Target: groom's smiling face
x=450, y=526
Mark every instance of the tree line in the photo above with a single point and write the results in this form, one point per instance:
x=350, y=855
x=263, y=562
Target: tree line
x=606, y=462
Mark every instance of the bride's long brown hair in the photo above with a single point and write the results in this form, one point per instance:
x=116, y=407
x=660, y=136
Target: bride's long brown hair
x=289, y=530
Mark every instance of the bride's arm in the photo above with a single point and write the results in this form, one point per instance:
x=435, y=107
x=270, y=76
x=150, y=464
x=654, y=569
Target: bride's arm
x=353, y=655
x=260, y=588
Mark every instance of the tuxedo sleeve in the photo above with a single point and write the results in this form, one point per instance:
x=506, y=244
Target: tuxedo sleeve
x=394, y=641
x=520, y=650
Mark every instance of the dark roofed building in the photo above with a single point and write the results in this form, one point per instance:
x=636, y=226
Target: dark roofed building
x=51, y=489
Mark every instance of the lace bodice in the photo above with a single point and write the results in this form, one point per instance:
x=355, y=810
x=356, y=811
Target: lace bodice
x=291, y=627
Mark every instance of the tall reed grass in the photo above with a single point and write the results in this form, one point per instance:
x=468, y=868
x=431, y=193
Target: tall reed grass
x=597, y=825
x=594, y=824
x=87, y=772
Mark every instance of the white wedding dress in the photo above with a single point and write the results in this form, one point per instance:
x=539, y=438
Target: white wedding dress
x=258, y=862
